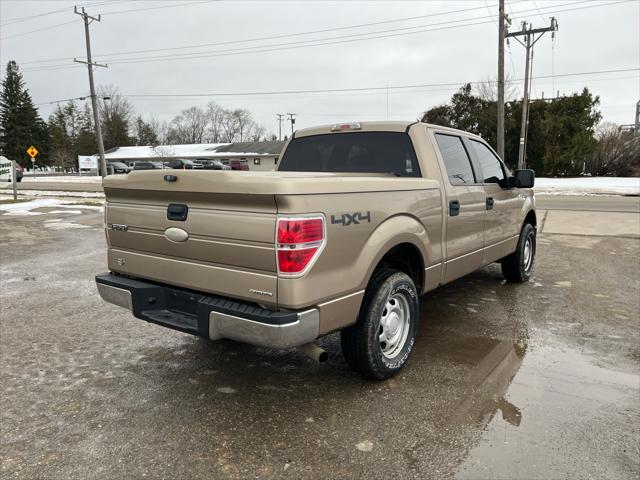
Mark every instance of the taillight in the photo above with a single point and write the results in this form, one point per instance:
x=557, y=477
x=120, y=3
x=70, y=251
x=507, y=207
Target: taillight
x=298, y=242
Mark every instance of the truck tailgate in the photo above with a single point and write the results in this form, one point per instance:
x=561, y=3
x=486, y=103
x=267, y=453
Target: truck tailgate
x=229, y=244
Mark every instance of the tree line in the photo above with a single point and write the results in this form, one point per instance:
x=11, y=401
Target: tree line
x=565, y=136
x=70, y=129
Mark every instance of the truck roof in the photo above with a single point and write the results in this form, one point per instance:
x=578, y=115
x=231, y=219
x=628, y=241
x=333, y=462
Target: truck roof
x=372, y=126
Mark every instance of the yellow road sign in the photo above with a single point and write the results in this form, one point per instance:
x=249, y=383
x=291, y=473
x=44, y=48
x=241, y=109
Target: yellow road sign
x=32, y=151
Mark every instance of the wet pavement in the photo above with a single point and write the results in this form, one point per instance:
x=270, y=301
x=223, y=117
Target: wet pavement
x=540, y=380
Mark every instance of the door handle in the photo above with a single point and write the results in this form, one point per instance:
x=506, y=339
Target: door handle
x=454, y=208
x=489, y=203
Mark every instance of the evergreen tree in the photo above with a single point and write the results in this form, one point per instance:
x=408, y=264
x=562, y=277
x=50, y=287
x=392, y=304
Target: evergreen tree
x=86, y=143
x=20, y=123
x=115, y=115
x=561, y=133
x=145, y=132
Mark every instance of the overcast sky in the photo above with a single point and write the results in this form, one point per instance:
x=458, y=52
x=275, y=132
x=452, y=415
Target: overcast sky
x=432, y=48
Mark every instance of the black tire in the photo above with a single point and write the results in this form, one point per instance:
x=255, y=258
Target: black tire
x=361, y=345
x=517, y=267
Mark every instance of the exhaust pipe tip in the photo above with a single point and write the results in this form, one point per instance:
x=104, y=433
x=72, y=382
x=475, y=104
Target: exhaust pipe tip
x=314, y=352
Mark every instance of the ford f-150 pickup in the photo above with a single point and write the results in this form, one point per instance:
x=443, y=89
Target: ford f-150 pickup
x=357, y=222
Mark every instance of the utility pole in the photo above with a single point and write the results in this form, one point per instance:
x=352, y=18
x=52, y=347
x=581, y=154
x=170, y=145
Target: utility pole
x=94, y=101
x=280, y=118
x=500, y=132
x=292, y=119
x=529, y=33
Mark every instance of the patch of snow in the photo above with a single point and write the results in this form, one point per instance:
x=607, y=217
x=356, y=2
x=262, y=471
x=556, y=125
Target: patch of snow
x=64, y=178
x=25, y=208
x=70, y=212
x=588, y=186
x=53, y=193
x=65, y=225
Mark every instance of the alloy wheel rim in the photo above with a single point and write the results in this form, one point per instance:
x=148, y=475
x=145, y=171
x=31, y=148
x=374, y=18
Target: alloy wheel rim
x=394, y=326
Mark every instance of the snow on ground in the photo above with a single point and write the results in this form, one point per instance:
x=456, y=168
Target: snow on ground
x=5, y=194
x=27, y=208
x=64, y=178
x=588, y=186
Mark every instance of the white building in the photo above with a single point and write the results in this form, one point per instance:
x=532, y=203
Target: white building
x=255, y=155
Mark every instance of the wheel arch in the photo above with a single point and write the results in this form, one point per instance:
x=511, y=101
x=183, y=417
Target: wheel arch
x=531, y=219
x=401, y=243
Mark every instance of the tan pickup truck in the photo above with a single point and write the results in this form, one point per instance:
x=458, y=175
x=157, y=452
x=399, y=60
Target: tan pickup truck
x=358, y=221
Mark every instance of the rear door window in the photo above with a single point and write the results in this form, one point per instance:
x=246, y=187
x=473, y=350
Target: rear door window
x=356, y=152
x=456, y=160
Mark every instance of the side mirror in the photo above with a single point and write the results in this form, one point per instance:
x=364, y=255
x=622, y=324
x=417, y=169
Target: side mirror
x=524, y=179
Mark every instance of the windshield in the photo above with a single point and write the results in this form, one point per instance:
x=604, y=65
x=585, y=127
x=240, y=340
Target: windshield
x=361, y=152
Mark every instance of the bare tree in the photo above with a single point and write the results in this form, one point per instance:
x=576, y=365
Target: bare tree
x=229, y=126
x=188, y=127
x=617, y=153
x=243, y=122
x=215, y=116
x=487, y=90
x=257, y=132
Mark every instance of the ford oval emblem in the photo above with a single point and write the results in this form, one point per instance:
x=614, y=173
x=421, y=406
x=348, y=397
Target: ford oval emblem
x=176, y=234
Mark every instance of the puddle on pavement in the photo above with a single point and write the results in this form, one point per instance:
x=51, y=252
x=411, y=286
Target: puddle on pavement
x=557, y=397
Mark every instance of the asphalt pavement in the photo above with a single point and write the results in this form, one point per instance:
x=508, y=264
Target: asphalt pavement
x=538, y=380
x=594, y=203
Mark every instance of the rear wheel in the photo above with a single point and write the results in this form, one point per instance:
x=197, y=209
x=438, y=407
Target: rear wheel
x=379, y=344
x=518, y=266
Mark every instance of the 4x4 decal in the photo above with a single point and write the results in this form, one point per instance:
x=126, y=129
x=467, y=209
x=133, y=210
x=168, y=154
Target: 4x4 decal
x=351, y=218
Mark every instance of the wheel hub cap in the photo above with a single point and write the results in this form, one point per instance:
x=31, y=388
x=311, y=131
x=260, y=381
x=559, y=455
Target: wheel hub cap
x=394, y=326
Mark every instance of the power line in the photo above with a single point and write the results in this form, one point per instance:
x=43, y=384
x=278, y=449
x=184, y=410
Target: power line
x=183, y=4
x=11, y=21
x=359, y=89
x=401, y=89
x=143, y=9
x=306, y=43
x=37, y=30
x=312, y=42
x=273, y=37
x=538, y=10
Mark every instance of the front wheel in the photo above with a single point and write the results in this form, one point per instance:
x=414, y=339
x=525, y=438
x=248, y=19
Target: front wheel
x=518, y=266
x=379, y=344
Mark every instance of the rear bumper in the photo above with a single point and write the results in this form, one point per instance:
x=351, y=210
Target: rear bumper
x=207, y=315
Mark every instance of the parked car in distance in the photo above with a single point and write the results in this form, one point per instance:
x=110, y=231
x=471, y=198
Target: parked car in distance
x=239, y=165
x=358, y=221
x=117, y=167
x=214, y=165
x=183, y=164
x=147, y=166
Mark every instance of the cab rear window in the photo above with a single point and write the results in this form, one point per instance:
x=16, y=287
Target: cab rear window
x=356, y=152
